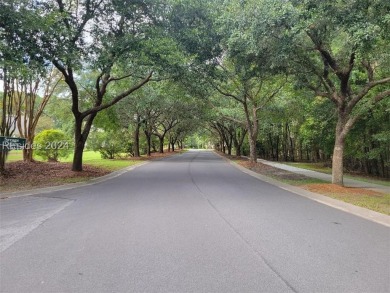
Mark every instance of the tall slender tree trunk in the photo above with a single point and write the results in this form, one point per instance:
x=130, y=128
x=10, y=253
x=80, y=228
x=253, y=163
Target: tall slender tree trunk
x=236, y=146
x=229, y=146
x=136, y=139
x=3, y=126
x=241, y=139
x=252, y=126
x=3, y=157
x=172, y=142
x=149, y=144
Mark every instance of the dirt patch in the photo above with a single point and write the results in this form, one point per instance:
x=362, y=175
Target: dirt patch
x=21, y=176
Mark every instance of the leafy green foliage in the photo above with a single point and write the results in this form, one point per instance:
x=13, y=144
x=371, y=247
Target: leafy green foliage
x=52, y=144
x=110, y=144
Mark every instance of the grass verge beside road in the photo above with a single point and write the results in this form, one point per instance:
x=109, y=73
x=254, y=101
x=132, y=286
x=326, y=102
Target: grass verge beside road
x=319, y=167
x=22, y=176
x=376, y=201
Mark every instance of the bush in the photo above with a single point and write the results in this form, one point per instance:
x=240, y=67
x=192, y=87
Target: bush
x=109, y=143
x=52, y=144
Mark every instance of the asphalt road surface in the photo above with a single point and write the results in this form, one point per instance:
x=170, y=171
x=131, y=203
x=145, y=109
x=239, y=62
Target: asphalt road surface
x=189, y=223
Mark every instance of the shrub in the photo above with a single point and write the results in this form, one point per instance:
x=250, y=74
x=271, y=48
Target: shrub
x=109, y=143
x=52, y=144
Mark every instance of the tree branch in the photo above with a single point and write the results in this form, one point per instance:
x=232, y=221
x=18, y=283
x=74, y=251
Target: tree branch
x=226, y=94
x=352, y=103
x=118, y=97
x=381, y=96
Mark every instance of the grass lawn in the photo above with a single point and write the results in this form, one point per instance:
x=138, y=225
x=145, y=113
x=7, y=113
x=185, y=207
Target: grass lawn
x=14, y=156
x=379, y=202
x=89, y=158
x=94, y=159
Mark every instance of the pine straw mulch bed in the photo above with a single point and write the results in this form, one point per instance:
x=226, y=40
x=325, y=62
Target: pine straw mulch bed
x=23, y=176
x=370, y=199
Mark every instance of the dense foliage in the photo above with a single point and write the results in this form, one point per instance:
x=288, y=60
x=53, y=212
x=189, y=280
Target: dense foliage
x=281, y=80
x=51, y=145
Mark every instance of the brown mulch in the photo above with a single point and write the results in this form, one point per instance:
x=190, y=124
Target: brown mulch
x=322, y=188
x=20, y=175
x=266, y=169
x=329, y=188
x=271, y=171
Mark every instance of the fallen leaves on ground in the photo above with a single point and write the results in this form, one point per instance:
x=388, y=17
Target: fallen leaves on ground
x=20, y=175
x=333, y=189
x=24, y=176
x=362, y=197
x=270, y=171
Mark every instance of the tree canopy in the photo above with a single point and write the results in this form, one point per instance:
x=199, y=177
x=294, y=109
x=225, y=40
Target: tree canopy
x=282, y=80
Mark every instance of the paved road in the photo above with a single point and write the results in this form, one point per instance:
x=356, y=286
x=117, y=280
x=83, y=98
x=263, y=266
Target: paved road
x=327, y=177
x=190, y=223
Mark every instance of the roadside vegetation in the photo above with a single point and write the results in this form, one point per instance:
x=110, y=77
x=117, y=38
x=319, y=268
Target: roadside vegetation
x=376, y=201
x=320, y=167
x=294, y=81
x=40, y=173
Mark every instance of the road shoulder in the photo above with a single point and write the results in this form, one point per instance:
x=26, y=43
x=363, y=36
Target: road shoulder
x=349, y=208
x=69, y=186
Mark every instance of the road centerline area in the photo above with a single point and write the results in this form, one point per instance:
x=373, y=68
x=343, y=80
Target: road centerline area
x=240, y=236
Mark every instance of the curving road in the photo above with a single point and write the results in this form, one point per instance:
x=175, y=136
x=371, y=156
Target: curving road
x=189, y=223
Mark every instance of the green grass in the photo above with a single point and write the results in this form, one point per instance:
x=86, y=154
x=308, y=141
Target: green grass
x=303, y=181
x=94, y=159
x=320, y=168
x=379, y=204
x=311, y=166
x=89, y=158
x=14, y=156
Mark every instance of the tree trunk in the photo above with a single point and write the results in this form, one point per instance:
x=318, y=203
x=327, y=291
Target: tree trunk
x=252, y=149
x=161, y=140
x=237, y=146
x=172, y=142
x=79, y=146
x=338, y=151
x=136, y=140
x=78, y=155
x=229, y=147
x=28, y=150
x=149, y=144
x=337, y=162
x=81, y=136
x=28, y=154
x=252, y=127
x=3, y=157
